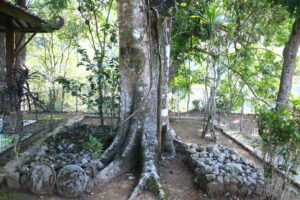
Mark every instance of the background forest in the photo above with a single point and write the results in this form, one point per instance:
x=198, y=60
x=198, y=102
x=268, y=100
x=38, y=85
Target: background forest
x=78, y=64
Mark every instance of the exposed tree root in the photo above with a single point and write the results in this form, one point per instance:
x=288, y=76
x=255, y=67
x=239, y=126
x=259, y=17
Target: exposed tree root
x=112, y=150
x=151, y=182
x=168, y=136
x=149, y=178
x=124, y=158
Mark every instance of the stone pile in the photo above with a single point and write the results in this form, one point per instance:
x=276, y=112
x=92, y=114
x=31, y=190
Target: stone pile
x=220, y=171
x=63, y=161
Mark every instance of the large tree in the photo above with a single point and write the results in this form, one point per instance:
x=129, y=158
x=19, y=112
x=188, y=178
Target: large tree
x=144, y=31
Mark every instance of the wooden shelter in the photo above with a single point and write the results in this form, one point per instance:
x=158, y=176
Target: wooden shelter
x=15, y=22
x=14, y=18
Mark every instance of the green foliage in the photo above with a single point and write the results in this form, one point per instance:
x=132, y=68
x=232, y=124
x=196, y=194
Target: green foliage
x=280, y=128
x=71, y=85
x=197, y=104
x=95, y=146
x=280, y=133
x=293, y=6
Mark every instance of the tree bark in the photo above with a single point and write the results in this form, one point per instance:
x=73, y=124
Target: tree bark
x=144, y=60
x=289, y=56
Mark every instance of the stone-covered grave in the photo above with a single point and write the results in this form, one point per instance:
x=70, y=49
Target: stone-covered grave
x=220, y=171
x=63, y=165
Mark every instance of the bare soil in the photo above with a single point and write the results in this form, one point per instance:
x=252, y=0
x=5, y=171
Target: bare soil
x=176, y=176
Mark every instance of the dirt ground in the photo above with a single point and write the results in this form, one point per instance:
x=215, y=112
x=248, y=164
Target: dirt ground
x=175, y=174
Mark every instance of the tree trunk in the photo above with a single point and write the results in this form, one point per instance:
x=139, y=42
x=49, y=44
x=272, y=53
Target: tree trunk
x=211, y=108
x=289, y=56
x=144, y=57
x=100, y=90
x=2, y=58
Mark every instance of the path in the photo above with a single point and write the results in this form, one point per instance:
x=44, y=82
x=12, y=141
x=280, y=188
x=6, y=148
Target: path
x=250, y=144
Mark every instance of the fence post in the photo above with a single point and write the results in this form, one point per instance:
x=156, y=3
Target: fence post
x=242, y=114
x=76, y=102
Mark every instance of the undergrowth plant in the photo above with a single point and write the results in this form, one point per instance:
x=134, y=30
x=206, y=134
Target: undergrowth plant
x=95, y=146
x=280, y=133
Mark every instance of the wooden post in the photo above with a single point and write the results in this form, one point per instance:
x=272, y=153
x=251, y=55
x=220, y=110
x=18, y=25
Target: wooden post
x=9, y=33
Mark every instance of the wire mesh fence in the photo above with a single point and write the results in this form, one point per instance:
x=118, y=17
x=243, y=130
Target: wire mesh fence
x=43, y=109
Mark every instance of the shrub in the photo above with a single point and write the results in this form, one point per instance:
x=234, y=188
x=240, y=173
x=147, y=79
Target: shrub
x=196, y=104
x=280, y=133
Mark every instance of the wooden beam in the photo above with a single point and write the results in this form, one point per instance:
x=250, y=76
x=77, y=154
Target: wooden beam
x=20, y=48
x=19, y=42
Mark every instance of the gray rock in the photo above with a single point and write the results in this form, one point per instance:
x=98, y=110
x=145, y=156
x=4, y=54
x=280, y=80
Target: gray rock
x=231, y=150
x=71, y=181
x=221, y=157
x=251, y=180
x=42, y=179
x=254, y=175
x=13, y=180
x=201, y=165
x=210, y=177
x=200, y=148
x=240, y=180
x=195, y=156
x=220, y=179
x=246, y=182
x=194, y=146
x=226, y=179
x=216, y=170
x=234, y=181
x=98, y=164
x=207, y=170
x=71, y=146
x=220, y=170
x=192, y=150
x=233, y=157
x=213, y=149
x=233, y=168
x=90, y=185
x=84, y=161
x=202, y=154
x=44, y=147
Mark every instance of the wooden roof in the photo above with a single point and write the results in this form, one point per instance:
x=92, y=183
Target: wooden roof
x=22, y=20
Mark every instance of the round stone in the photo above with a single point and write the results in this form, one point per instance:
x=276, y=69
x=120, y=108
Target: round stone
x=71, y=181
x=42, y=179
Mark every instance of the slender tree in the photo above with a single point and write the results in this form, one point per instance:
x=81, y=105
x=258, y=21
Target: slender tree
x=289, y=61
x=289, y=54
x=144, y=30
